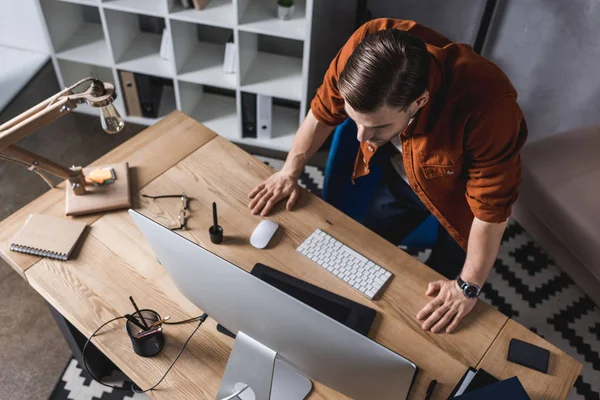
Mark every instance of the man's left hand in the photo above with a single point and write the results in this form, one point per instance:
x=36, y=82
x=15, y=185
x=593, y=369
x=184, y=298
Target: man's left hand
x=449, y=306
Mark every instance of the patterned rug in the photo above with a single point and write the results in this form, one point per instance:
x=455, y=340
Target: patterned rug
x=525, y=284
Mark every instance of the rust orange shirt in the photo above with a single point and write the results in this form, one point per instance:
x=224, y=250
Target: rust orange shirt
x=461, y=153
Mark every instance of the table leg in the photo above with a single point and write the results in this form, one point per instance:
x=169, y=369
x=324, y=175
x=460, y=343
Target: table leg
x=98, y=363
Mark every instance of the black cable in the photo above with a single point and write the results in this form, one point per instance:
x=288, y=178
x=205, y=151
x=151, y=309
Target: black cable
x=201, y=319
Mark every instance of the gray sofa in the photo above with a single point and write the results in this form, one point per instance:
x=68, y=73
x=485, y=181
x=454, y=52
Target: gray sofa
x=559, y=202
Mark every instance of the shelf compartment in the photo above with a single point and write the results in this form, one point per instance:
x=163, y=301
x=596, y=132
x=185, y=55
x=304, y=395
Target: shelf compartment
x=136, y=40
x=260, y=16
x=76, y=32
x=83, y=2
x=285, y=119
x=211, y=106
x=199, y=53
x=157, y=8
x=216, y=13
x=271, y=66
x=72, y=72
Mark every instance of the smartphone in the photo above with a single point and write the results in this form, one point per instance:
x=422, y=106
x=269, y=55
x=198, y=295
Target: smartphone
x=528, y=355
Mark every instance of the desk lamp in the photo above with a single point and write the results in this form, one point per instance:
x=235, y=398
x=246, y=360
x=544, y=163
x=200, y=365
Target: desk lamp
x=98, y=94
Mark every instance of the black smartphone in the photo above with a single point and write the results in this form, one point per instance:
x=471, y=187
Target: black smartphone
x=528, y=355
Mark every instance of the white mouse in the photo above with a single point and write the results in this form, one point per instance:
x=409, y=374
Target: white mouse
x=263, y=233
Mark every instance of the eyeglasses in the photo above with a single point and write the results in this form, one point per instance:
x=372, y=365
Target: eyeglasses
x=184, y=213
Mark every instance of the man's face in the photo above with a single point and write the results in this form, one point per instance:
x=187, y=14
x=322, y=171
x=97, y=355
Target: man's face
x=380, y=126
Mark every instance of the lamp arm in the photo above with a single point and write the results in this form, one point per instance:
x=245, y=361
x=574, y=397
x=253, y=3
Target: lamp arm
x=43, y=114
x=99, y=94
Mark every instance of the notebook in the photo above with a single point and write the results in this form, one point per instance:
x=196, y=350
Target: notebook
x=508, y=389
x=48, y=236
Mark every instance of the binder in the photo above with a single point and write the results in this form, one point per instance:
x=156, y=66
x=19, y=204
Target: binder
x=48, y=236
x=200, y=4
x=248, y=115
x=130, y=94
x=264, y=106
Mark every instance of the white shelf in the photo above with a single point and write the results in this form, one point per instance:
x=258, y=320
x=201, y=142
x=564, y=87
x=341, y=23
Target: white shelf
x=274, y=75
x=217, y=112
x=216, y=13
x=205, y=66
x=142, y=56
x=157, y=8
x=83, y=2
x=274, y=58
x=86, y=45
x=261, y=17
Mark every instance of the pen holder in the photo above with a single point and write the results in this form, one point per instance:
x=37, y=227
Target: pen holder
x=146, y=346
x=216, y=236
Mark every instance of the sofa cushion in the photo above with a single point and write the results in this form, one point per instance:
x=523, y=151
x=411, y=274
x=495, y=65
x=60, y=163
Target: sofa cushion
x=561, y=185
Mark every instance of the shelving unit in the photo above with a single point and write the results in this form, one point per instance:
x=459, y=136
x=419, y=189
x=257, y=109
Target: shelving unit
x=282, y=59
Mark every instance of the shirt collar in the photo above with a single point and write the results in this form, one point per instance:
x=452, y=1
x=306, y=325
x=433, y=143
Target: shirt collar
x=427, y=114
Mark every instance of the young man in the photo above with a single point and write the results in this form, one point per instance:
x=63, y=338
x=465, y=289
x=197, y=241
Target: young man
x=445, y=126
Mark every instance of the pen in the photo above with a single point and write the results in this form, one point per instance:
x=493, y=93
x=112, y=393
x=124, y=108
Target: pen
x=139, y=313
x=215, y=218
x=430, y=389
x=134, y=321
x=160, y=322
x=148, y=333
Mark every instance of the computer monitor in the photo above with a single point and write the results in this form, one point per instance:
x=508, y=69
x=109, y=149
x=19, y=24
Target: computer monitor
x=278, y=337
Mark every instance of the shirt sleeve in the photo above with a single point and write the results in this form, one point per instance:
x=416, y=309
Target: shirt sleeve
x=493, y=142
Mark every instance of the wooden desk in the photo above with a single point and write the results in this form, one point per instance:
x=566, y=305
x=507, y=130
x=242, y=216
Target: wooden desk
x=180, y=155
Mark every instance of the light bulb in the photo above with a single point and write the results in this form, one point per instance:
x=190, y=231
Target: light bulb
x=110, y=119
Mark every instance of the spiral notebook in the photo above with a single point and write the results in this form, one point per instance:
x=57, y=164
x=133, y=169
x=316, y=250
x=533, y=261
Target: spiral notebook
x=48, y=236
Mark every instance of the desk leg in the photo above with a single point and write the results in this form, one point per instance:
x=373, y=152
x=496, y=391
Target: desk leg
x=98, y=363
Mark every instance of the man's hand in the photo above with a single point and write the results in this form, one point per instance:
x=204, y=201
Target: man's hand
x=449, y=306
x=276, y=188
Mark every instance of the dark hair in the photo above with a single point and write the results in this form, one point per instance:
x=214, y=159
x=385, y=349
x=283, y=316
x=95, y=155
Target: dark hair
x=389, y=67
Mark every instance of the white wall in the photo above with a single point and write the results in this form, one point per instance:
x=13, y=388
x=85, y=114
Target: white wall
x=21, y=26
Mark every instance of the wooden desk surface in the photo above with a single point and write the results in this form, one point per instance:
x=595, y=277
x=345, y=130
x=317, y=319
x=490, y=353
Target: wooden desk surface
x=180, y=155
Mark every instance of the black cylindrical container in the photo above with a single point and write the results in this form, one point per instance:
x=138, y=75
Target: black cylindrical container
x=149, y=345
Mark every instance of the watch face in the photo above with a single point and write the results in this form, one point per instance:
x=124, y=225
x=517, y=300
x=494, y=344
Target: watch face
x=471, y=291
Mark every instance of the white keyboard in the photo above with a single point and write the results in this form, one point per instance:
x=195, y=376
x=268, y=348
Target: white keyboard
x=353, y=268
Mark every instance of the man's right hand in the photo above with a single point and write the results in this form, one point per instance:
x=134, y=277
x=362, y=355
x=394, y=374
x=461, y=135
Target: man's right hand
x=277, y=187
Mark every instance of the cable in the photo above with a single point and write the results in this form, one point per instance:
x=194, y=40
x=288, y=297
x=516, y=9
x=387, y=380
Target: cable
x=201, y=319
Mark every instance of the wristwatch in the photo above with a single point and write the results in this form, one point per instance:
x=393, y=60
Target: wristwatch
x=470, y=290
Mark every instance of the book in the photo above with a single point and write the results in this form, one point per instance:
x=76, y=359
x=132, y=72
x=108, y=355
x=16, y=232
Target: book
x=166, y=48
x=48, y=236
x=508, y=389
x=230, y=59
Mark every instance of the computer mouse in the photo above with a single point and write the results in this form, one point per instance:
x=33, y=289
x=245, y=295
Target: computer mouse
x=263, y=233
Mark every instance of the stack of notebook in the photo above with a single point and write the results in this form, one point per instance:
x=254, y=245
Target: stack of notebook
x=479, y=384
x=48, y=236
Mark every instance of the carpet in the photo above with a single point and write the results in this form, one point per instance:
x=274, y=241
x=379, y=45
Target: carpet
x=525, y=285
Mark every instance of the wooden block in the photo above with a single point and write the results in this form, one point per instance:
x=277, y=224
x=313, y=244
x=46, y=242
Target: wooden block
x=104, y=197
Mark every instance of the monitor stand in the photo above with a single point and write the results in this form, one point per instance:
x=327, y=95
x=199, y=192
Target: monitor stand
x=253, y=364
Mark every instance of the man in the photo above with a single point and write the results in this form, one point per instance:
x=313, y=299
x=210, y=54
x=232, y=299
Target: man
x=445, y=126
